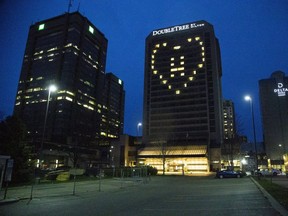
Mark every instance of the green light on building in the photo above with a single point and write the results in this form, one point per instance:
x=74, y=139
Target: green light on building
x=41, y=27
x=91, y=29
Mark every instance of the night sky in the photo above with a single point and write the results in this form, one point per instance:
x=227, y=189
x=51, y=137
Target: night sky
x=253, y=36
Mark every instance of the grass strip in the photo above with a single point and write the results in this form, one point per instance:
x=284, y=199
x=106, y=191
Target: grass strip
x=277, y=191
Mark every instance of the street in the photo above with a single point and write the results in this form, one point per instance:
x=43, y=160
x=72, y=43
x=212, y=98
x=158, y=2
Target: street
x=163, y=195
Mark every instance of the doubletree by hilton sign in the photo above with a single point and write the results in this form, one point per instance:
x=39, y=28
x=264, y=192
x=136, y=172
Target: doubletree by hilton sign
x=281, y=90
x=177, y=28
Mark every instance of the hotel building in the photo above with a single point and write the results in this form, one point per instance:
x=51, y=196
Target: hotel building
x=274, y=106
x=182, y=114
x=69, y=52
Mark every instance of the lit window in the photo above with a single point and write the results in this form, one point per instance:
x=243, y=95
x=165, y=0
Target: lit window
x=182, y=63
x=172, y=75
x=91, y=29
x=191, y=78
x=182, y=74
x=164, y=44
x=152, y=61
x=181, y=68
x=173, y=69
x=152, y=56
x=177, y=47
x=185, y=85
x=41, y=27
x=155, y=72
x=203, y=53
x=68, y=45
x=157, y=45
x=120, y=82
x=197, y=38
x=203, y=48
x=160, y=77
x=172, y=64
x=201, y=43
x=177, y=92
x=189, y=39
x=172, y=59
x=154, y=51
x=103, y=134
x=68, y=98
x=194, y=72
x=203, y=59
x=164, y=81
x=152, y=66
x=52, y=49
x=200, y=65
x=169, y=87
x=182, y=57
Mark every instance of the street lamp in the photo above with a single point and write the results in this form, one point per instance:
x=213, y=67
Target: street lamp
x=139, y=125
x=248, y=98
x=52, y=88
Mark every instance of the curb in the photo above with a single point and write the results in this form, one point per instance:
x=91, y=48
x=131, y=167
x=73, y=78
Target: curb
x=275, y=204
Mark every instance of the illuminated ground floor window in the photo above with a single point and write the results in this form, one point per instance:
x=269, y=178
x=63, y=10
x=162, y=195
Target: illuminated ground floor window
x=186, y=164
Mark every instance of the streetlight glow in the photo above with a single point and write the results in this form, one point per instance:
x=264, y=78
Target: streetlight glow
x=247, y=98
x=52, y=88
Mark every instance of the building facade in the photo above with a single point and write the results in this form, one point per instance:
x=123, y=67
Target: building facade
x=69, y=52
x=231, y=148
x=182, y=114
x=112, y=123
x=274, y=105
x=229, y=119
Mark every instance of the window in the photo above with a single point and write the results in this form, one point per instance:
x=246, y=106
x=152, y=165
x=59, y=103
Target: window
x=41, y=27
x=91, y=29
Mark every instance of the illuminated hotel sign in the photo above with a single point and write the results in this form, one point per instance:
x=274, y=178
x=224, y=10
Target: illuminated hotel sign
x=281, y=91
x=177, y=28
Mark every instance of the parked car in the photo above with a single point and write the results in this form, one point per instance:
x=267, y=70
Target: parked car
x=269, y=172
x=229, y=174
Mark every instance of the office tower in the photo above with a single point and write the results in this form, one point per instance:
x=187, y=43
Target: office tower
x=182, y=97
x=69, y=52
x=229, y=119
x=274, y=105
x=113, y=109
x=231, y=155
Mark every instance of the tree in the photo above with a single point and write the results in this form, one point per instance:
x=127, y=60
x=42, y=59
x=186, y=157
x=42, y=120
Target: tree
x=13, y=143
x=163, y=149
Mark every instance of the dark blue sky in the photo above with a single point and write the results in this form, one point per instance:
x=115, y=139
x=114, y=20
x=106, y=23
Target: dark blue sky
x=253, y=38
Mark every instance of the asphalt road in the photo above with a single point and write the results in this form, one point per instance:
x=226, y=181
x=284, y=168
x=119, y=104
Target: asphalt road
x=163, y=195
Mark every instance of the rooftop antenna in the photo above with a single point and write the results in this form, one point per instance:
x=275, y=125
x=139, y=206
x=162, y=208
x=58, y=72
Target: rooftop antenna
x=69, y=5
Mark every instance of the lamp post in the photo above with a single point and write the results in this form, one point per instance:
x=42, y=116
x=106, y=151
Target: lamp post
x=52, y=88
x=138, y=126
x=248, y=98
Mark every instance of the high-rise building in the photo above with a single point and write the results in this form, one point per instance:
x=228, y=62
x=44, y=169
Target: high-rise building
x=231, y=151
x=113, y=109
x=183, y=98
x=274, y=106
x=229, y=119
x=69, y=52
